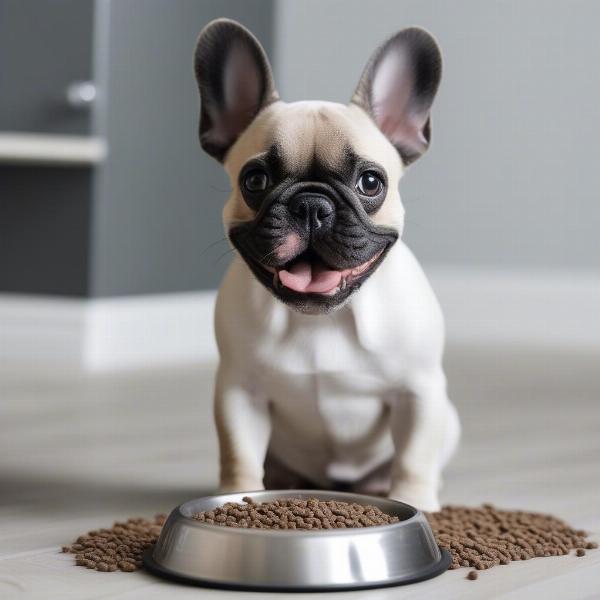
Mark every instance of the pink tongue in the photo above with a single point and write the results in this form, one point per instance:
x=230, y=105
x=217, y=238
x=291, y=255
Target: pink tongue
x=304, y=277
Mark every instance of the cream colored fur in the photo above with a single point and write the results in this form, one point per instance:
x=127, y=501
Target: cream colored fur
x=337, y=395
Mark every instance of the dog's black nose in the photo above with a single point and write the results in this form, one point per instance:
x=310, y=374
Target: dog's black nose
x=314, y=211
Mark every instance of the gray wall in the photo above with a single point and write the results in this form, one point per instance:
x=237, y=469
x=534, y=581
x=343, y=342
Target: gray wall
x=44, y=46
x=44, y=230
x=149, y=219
x=157, y=216
x=44, y=210
x=512, y=178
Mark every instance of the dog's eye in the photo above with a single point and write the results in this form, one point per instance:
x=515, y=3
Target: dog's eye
x=369, y=184
x=256, y=181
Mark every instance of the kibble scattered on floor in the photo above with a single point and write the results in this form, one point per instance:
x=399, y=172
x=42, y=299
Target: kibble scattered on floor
x=485, y=537
x=295, y=513
x=118, y=548
x=477, y=538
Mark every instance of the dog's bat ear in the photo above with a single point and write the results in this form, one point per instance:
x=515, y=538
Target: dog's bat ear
x=397, y=89
x=235, y=83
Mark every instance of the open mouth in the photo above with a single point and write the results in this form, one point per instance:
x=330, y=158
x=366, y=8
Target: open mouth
x=309, y=274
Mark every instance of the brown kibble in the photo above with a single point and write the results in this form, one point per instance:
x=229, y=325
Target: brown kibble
x=477, y=538
x=84, y=562
x=482, y=538
x=296, y=513
x=120, y=547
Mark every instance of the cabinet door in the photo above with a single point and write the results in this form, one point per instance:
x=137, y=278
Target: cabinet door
x=45, y=46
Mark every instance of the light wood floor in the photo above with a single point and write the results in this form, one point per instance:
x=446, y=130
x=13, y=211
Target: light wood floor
x=77, y=453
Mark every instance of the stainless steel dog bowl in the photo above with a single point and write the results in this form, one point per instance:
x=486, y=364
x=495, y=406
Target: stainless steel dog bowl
x=323, y=560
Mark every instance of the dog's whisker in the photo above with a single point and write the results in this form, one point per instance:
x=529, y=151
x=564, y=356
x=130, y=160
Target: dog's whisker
x=217, y=189
x=220, y=241
x=268, y=254
x=229, y=251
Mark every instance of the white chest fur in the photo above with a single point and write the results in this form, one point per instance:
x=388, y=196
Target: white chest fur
x=328, y=378
x=327, y=393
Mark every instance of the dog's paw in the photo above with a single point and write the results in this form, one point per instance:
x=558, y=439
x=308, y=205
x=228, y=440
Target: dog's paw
x=421, y=496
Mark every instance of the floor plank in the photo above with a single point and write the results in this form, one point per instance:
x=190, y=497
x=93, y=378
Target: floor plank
x=77, y=453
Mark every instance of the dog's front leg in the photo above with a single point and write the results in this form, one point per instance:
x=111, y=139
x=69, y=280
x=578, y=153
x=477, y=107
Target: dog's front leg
x=425, y=431
x=243, y=427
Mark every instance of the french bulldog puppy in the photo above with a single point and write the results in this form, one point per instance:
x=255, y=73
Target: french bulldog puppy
x=330, y=337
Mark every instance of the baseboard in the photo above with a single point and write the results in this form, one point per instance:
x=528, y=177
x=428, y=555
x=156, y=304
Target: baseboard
x=481, y=308
x=106, y=334
x=537, y=308
x=42, y=332
x=147, y=331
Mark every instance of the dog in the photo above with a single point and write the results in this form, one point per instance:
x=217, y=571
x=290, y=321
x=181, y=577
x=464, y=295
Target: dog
x=329, y=334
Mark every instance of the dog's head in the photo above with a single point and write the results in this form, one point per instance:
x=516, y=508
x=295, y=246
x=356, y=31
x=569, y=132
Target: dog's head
x=314, y=206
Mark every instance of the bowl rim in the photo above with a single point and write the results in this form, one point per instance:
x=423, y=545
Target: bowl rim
x=362, y=531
